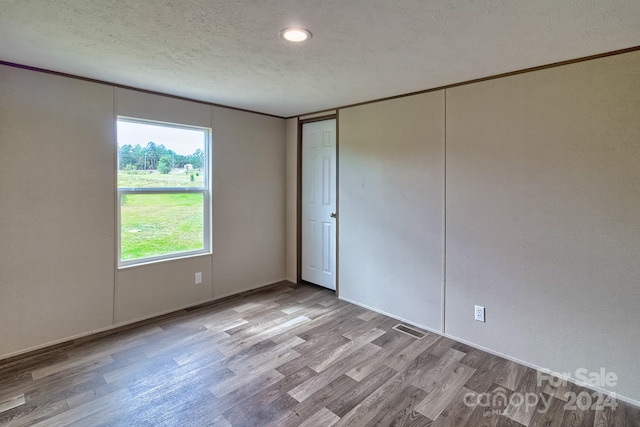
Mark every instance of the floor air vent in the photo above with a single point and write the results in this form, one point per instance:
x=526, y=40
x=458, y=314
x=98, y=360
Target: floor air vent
x=409, y=331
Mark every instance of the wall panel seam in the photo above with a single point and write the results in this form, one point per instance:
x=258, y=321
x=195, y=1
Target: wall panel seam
x=444, y=217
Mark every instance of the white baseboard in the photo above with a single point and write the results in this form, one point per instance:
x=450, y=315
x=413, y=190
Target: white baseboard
x=161, y=313
x=250, y=288
x=132, y=321
x=497, y=353
x=393, y=316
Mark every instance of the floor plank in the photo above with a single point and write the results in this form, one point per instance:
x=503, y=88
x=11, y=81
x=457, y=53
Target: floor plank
x=291, y=355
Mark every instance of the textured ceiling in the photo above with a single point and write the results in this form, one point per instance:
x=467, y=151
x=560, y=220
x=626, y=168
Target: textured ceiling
x=228, y=52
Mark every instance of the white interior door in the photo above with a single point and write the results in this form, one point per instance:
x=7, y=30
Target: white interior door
x=319, y=203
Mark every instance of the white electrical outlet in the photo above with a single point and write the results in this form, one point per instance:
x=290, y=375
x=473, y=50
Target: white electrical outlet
x=479, y=313
x=198, y=278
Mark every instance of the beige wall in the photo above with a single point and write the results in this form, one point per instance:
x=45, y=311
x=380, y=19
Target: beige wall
x=391, y=188
x=248, y=201
x=543, y=208
x=56, y=208
x=541, y=214
x=318, y=114
x=148, y=290
x=292, y=196
x=149, y=106
x=58, y=275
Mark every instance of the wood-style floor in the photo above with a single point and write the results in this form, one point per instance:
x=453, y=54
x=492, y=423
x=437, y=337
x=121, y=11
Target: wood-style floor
x=286, y=356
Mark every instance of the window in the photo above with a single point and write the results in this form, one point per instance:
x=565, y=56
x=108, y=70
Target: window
x=163, y=191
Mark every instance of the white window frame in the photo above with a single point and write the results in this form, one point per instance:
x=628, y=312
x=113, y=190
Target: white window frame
x=205, y=191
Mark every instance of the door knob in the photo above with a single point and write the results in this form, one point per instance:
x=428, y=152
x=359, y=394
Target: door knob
x=333, y=214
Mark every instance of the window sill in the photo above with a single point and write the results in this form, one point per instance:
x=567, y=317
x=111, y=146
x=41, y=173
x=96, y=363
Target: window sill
x=161, y=261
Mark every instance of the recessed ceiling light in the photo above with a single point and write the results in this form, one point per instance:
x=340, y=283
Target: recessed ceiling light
x=295, y=35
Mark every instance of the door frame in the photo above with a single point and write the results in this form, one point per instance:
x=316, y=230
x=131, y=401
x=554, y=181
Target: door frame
x=301, y=122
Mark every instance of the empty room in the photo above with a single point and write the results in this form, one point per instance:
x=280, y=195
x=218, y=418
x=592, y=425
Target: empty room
x=320, y=213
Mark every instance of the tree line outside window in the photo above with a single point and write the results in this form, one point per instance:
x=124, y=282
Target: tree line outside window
x=154, y=156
